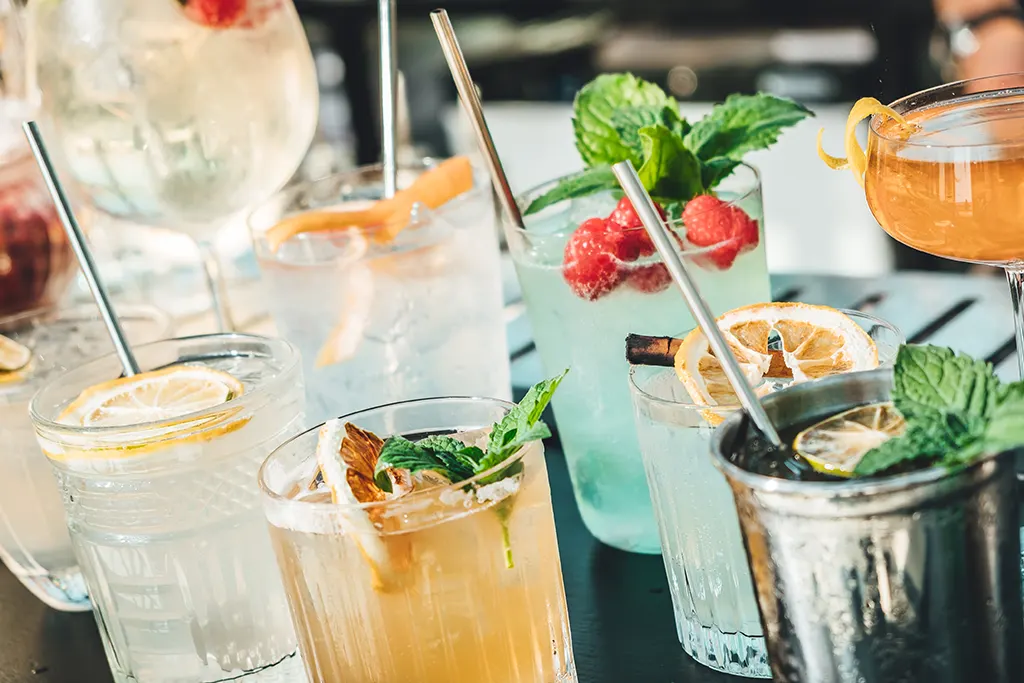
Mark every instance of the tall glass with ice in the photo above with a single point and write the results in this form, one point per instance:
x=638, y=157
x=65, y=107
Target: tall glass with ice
x=387, y=300
x=580, y=314
x=434, y=582
x=158, y=477
x=34, y=541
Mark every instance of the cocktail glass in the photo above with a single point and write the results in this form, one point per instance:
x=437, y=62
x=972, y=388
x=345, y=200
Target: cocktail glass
x=178, y=114
x=952, y=188
x=419, y=316
x=165, y=517
x=439, y=602
x=34, y=541
x=913, y=576
x=712, y=595
x=593, y=409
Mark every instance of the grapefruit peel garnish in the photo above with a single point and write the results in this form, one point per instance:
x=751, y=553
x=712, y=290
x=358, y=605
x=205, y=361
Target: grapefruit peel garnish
x=856, y=160
x=383, y=221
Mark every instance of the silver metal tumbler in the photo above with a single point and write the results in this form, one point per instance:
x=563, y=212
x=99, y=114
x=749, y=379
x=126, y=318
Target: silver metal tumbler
x=913, y=578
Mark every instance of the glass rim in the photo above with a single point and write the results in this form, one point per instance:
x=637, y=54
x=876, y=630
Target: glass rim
x=51, y=426
x=933, y=96
x=754, y=187
x=89, y=311
x=257, y=233
x=730, y=409
x=310, y=505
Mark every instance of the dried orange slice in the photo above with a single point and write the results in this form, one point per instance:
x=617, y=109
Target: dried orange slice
x=816, y=341
x=836, y=445
x=346, y=456
x=855, y=158
x=13, y=356
x=387, y=217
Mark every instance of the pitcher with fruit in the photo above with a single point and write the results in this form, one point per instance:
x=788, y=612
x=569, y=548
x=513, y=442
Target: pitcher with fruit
x=590, y=275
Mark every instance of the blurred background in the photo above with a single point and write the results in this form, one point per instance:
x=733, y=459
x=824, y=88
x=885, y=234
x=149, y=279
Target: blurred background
x=529, y=57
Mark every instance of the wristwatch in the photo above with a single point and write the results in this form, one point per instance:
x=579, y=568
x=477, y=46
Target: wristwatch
x=963, y=40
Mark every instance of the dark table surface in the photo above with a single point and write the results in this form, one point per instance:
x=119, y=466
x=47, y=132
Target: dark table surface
x=619, y=608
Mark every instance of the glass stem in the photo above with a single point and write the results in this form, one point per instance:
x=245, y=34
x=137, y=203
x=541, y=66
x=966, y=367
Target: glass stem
x=1015, y=277
x=216, y=285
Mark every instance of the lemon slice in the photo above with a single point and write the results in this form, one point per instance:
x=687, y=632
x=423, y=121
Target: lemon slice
x=151, y=397
x=817, y=341
x=13, y=356
x=837, y=444
x=346, y=456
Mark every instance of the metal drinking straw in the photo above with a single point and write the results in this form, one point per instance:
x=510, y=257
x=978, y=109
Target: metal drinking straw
x=388, y=95
x=81, y=248
x=648, y=213
x=471, y=102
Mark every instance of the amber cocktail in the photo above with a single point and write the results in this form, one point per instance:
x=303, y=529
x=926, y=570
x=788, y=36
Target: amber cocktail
x=944, y=173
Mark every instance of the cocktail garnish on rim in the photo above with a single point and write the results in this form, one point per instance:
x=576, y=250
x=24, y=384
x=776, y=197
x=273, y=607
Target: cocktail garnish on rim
x=386, y=218
x=856, y=160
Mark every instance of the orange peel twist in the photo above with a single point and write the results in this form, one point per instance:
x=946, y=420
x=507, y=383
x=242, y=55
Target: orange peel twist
x=856, y=160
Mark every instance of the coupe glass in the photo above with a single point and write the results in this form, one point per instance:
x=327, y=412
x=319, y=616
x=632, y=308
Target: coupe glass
x=952, y=188
x=168, y=113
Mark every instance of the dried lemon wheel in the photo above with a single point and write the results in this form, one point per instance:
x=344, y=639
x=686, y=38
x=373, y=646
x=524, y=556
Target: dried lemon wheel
x=837, y=444
x=817, y=341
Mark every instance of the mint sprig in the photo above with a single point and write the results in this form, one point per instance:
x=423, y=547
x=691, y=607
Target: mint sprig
x=956, y=410
x=619, y=116
x=457, y=462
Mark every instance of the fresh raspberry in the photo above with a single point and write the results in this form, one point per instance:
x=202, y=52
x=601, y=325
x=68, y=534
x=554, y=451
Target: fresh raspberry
x=227, y=13
x=649, y=279
x=591, y=268
x=709, y=221
x=634, y=241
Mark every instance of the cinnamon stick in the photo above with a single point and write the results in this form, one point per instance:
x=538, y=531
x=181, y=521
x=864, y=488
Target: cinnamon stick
x=644, y=350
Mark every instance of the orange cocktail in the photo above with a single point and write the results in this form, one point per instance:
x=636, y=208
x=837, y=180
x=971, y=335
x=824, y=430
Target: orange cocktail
x=944, y=173
x=955, y=186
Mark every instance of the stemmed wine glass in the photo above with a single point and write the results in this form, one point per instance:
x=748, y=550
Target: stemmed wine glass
x=177, y=113
x=950, y=183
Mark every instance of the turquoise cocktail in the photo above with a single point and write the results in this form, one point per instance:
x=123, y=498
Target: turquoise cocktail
x=586, y=287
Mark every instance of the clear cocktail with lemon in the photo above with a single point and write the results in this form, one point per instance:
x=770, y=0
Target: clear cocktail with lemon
x=676, y=412
x=35, y=347
x=158, y=475
x=942, y=173
x=428, y=555
x=387, y=299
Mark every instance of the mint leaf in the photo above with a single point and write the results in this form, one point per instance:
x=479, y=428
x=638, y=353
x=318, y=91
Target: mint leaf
x=670, y=172
x=943, y=439
x=1006, y=428
x=578, y=185
x=742, y=124
x=521, y=424
x=441, y=442
x=714, y=171
x=912, y=445
x=628, y=122
x=597, y=138
x=400, y=453
x=931, y=380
